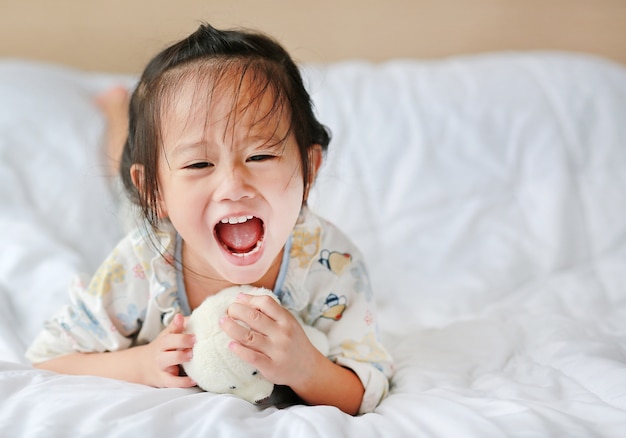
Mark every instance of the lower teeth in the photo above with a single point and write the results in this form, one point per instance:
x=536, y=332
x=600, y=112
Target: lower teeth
x=249, y=253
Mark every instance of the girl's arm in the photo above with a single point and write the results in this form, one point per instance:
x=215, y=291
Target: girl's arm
x=331, y=384
x=154, y=364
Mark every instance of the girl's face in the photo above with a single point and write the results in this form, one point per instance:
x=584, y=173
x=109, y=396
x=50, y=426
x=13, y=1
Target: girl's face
x=230, y=181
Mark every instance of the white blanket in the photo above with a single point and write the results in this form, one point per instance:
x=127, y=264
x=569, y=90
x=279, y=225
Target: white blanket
x=488, y=194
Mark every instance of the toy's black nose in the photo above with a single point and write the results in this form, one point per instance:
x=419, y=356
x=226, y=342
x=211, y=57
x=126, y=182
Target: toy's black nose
x=262, y=401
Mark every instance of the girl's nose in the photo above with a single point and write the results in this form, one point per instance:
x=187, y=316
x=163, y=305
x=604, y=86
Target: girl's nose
x=233, y=184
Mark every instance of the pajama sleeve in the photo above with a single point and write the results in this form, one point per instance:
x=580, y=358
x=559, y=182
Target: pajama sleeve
x=103, y=314
x=328, y=284
x=347, y=314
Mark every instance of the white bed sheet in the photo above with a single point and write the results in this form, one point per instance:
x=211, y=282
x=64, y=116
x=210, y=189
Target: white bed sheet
x=488, y=194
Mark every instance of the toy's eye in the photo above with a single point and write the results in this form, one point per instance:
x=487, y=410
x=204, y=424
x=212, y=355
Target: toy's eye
x=233, y=387
x=255, y=372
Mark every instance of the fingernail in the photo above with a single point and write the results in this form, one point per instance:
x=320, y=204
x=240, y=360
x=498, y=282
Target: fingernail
x=241, y=297
x=222, y=319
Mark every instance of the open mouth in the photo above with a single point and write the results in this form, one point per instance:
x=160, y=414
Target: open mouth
x=240, y=235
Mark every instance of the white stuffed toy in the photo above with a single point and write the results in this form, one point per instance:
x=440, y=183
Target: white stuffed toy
x=214, y=367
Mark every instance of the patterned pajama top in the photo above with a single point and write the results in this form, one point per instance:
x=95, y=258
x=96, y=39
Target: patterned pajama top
x=139, y=288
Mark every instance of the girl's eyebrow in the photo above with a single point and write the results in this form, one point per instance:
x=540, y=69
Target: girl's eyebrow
x=264, y=141
x=260, y=141
x=268, y=137
x=183, y=148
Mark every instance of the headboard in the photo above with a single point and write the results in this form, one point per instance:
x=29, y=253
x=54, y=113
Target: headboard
x=120, y=35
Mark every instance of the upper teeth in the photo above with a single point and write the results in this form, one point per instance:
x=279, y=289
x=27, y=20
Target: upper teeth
x=236, y=219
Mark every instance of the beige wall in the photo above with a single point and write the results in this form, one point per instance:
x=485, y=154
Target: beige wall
x=120, y=35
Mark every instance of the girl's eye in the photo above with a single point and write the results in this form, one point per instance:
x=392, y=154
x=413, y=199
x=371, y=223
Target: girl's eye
x=256, y=158
x=198, y=165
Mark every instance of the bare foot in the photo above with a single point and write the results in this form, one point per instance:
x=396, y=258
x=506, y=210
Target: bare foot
x=114, y=105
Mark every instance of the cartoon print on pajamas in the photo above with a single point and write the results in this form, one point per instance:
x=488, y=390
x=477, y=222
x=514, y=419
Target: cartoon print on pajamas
x=90, y=324
x=112, y=271
x=335, y=261
x=361, y=280
x=132, y=318
x=334, y=307
x=304, y=245
x=367, y=349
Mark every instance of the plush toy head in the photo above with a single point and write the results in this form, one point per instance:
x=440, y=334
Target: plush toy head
x=213, y=366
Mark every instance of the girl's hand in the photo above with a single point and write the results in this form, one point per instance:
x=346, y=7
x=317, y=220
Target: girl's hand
x=275, y=343
x=162, y=356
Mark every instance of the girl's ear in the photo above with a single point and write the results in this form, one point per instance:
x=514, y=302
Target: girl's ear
x=137, y=176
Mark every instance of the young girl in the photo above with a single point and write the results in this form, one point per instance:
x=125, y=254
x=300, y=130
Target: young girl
x=222, y=149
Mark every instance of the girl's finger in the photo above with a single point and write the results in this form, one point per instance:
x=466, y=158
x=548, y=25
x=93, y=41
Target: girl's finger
x=168, y=359
x=254, y=318
x=263, y=303
x=255, y=358
x=177, y=341
x=173, y=380
x=177, y=325
x=246, y=336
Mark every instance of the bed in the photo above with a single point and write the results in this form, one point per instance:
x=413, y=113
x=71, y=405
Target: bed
x=487, y=192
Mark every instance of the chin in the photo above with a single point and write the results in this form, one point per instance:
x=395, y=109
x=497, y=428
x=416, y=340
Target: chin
x=252, y=268
x=245, y=273
x=244, y=278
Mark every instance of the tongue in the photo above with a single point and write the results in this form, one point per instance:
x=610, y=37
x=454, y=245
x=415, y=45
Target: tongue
x=240, y=238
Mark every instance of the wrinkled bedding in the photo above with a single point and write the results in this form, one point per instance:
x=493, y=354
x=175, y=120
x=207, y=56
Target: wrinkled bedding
x=487, y=192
